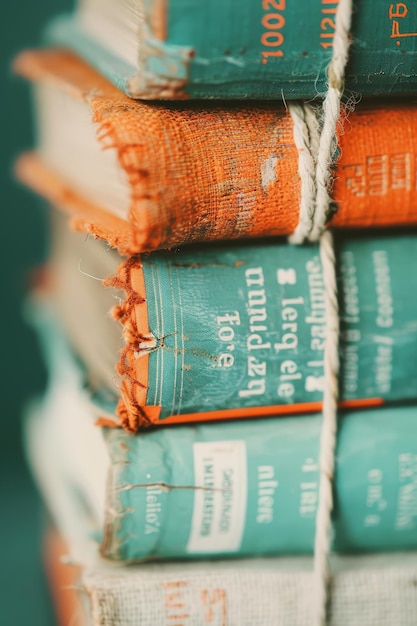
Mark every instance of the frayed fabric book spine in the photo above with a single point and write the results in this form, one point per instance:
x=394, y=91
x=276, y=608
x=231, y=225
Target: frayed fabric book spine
x=248, y=596
x=181, y=184
x=236, y=331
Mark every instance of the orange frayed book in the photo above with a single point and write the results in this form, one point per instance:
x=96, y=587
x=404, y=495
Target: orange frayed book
x=148, y=176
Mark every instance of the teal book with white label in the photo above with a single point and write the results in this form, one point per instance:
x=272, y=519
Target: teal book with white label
x=252, y=487
x=252, y=49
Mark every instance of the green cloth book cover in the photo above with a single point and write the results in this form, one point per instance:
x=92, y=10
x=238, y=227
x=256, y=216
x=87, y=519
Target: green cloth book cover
x=226, y=49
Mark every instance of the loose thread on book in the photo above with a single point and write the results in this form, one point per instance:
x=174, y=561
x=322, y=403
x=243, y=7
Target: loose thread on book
x=130, y=414
x=100, y=280
x=315, y=136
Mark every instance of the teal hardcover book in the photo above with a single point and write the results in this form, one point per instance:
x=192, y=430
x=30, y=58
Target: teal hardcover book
x=68, y=457
x=232, y=331
x=173, y=49
x=233, y=488
x=251, y=487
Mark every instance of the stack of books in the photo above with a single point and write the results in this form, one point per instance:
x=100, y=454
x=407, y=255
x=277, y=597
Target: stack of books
x=229, y=436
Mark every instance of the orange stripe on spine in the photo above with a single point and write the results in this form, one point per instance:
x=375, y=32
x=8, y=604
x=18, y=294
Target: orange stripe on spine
x=265, y=411
x=141, y=364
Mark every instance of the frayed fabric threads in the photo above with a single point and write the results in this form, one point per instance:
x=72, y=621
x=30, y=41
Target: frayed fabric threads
x=132, y=314
x=316, y=139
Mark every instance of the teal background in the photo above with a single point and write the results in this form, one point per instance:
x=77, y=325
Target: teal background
x=23, y=592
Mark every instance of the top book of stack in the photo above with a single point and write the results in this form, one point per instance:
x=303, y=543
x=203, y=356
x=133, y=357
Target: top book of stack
x=277, y=49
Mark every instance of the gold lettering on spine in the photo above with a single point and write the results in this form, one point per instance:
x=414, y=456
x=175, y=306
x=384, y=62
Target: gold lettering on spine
x=176, y=613
x=215, y=603
x=272, y=22
x=328, y=24
x=399, y=11
x=380, y=174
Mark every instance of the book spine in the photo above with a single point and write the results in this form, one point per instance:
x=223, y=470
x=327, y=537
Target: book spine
x=263, y=49
x=239, y=331
x=248, y=596
x=185, y=187
x=251, y=487
x=255, y=194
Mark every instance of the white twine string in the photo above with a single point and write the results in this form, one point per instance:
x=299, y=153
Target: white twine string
x=331, y=113
x=315, y=136
x=306, y=139
x=317, y=148
x=322, y=542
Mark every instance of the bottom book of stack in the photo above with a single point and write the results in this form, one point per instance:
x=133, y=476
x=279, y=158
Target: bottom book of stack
x=193, y=497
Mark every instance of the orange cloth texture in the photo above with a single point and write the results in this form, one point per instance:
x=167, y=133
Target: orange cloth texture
x=202, y=171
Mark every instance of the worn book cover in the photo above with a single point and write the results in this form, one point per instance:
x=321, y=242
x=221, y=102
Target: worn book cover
x=234, y=488
x=146, y=176
x=232, y=331
x=223, y=49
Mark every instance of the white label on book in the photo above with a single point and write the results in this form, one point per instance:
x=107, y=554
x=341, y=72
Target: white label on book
x=219, y=514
